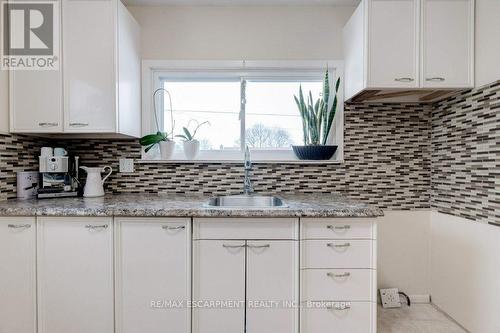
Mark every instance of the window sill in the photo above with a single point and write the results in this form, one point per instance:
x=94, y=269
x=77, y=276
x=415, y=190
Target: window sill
x=239, y=161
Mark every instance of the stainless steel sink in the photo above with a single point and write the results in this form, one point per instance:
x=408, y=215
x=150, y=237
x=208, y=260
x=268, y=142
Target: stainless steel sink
x=246, y=201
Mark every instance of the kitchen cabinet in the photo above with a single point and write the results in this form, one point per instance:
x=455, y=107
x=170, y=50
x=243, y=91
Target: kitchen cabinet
x=97, y=88
x=447, y=43
x=272, y=277
x=393, y=43
x=75, y=275
x=218, y=276
x=153, y=275
x=258, y=275
x=17, y=274
x=338, y=275
x=408, y=50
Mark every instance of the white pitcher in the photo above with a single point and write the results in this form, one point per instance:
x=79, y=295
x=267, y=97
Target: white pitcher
x=94, y=186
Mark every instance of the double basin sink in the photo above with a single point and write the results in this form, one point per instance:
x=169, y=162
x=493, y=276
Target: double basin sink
x=246, y=201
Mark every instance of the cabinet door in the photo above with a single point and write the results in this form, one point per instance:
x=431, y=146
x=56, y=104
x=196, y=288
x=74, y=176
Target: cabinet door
x=36, y=102
x=153, y=278
x=393, y=43
x=447, y=36
x=89, y=65
x=272, y=286
x=218, y=286
x=17, y=275
x=75, y=275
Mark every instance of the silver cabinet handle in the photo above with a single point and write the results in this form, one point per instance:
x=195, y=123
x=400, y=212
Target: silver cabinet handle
x=259, y=246
x=19, y=226
x=345, y=245
x=167, y=227
x=48, y=124
x=339, y=307
x=227, y=246
x=78, y=124
x=435, y=79
x=343, y=275
x=93, y=227
x=338, y=227
x=404, y=79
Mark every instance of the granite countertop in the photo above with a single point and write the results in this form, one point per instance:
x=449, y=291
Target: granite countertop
x=146, y=205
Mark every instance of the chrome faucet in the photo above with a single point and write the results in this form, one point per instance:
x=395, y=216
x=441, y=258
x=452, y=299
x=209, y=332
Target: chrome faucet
x=247, y=188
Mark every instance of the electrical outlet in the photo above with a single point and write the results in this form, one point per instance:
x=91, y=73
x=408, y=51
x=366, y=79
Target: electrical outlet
x=126, y=165
x=390, y=298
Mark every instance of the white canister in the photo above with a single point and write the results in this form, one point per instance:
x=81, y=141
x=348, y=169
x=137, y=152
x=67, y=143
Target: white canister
x=27, y=183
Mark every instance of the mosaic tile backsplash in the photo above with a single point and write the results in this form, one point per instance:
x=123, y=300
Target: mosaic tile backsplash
x=465, y=158
x=387, y=163
x=397, y=156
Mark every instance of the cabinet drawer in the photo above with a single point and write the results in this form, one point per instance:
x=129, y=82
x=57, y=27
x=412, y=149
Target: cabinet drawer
x=348, y=317
x=245, y=228
x=338, y=254
x=338, y=228
x=337, y=284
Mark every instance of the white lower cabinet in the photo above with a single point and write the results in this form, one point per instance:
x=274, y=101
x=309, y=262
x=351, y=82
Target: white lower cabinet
x=17, y=275
x=245, y=285
x=218, y=286
x=153, y=277
x=338, y=275
x=271, y=286
x=75, y=275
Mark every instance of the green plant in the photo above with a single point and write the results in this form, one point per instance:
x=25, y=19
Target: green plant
x=188, y=136
x=317, y=117
x=151, y=140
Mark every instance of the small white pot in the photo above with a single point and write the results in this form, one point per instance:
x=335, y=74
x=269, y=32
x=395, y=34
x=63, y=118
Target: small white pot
x=167, y=149
x=191, y=149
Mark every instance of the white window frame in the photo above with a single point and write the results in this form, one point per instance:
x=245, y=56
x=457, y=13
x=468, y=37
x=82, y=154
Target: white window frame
x=154, y=71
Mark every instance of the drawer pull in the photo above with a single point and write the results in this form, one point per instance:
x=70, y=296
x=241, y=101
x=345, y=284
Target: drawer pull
x=19, y=226
x=404, y=79
x=435, y=79
x=345, y=245
x=167, y=227
x=259, y=246
x=338, y=227
x=78, y=124
x=339, y=307
x=45, y=124
x=227, y=246
x=343, y=275
x=93, y=227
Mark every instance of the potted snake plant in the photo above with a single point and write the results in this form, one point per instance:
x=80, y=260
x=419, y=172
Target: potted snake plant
x=190, y=145
x=317, y=120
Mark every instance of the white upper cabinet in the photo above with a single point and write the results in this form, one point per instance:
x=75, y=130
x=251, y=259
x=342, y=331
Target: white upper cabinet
x=97, y=89
x=36, y=101
x=447, y=43
x=393, y=43
x=401, y=48
x=89, y=29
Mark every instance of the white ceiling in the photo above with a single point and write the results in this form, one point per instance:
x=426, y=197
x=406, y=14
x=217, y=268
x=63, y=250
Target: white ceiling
x=242, y=2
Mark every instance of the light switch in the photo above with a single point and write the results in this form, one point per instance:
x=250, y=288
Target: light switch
x=126, y=165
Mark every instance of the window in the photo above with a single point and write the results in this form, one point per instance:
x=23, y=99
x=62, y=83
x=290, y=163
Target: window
x=242, y=105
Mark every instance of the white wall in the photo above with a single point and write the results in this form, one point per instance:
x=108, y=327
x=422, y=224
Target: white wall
x=403, y=252
x=234, y=33
x=465, y=271
x=487, y=45
x=4, y=101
